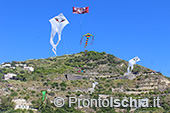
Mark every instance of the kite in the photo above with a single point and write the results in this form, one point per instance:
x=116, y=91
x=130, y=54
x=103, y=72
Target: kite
x=94, y=84
x=81, y=10
x=44, y=94
x=88, y=35
x=57, y=25
x=131, y=63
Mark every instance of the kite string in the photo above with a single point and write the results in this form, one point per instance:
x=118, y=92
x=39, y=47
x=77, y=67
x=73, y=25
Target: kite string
x=81, y=24
x=105, y=34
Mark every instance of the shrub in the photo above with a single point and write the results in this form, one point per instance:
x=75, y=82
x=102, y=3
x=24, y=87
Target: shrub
x=32, y=92
x=51, y=93
x=55, y=84
x=63, y=84
x=127, y=89
x=6, y=104
x=166, y=91
x=14, y=94
x=137, y=86
x=63, y=89
x=33, y=102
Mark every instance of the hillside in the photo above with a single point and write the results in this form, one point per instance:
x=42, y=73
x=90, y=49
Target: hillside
x=73, y=75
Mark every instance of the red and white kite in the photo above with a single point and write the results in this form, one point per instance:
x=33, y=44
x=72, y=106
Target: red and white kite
x=81, y=10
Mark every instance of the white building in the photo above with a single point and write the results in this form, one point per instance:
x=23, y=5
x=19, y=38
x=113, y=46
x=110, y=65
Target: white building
x=8, y=76
x=30, y=69
x=23, y=65
x=6, y=65
x=103, y=96
x=12, y=67
x=21, y=104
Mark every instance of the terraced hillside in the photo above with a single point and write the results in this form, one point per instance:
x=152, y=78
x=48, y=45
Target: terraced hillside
x=73, y=75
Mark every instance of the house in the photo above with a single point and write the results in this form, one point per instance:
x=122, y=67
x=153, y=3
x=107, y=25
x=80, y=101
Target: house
x=22, y=104
x=22, y=65
x=103, y=96
x=117, y=89
x=151, y=72
x=30, y=69
x=6, y=65
x=9, y=75
x=12, y=67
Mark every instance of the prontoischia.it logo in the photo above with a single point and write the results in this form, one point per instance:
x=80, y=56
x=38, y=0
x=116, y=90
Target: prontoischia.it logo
x=109, y=102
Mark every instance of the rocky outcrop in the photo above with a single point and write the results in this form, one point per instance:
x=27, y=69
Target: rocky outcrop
x=75, y=77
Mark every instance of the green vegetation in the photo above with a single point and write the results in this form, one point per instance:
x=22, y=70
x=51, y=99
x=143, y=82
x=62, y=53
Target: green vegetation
x=106, y=69
x=6, y=104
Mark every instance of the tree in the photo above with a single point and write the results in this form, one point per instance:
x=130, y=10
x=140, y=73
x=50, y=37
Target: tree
x=13, y=64
x=1, y=76
x=6, y=104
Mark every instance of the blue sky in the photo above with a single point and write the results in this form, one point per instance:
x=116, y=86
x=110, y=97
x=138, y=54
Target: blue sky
x=123, y=28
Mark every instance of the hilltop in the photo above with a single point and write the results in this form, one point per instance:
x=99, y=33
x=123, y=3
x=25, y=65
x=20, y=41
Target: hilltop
x=73, y=75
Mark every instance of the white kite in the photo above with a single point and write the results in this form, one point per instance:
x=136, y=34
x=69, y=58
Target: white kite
x=131, y=63
x=92, y=89
x=57, y=25
x=94, y=84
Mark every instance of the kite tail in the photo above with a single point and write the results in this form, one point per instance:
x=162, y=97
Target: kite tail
x=86, y=42
x=92, y=91
x=54, y=50
x=92, y=40
x=55, y=45
x=59, y=38
x=81, y=40
x=131, y=67
x=128, y=69
x=52, y=43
